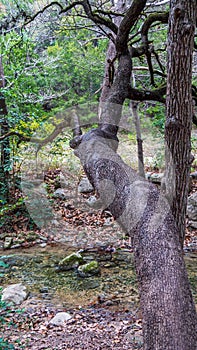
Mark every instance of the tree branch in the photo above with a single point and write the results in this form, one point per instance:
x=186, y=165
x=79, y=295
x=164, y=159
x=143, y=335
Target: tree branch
x=161, y=17
x=154, y=17
x=146, y=95
x=41, y=142
x=98, y=19
x=127, y=23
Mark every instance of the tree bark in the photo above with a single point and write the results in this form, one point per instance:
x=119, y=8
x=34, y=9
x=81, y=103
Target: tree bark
x=5, y=144
x=168, y=312
x=140, y=153
x=179, y=106
x=169, y=317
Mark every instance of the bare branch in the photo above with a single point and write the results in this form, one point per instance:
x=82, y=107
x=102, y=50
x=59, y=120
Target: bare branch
x=146, y=68
x=98, y=19
x=155, y=17
x=146, y=95
x=127, y=23
x=41, y=142
x=163, y=2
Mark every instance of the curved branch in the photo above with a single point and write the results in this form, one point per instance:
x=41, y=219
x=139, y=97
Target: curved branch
x=92, y=16
x=155, y=17
x=20, y=136
x=84, y=3
x=41, y=142
x=146, y=95
x=53, y=3
x=98, y=19
x=127, y=23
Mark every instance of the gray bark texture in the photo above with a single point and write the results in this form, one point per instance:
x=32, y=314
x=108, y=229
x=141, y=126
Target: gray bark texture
x=169, y=317
x=179, y=108
x=168, y=312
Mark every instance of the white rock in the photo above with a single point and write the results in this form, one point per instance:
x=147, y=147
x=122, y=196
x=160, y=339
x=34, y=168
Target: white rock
x=63, y=181
x=15, y=293
x=193, y=224
x=94, y=202
x=60, y=193
x=192, y=207
x=60, y=318
x=85, y=186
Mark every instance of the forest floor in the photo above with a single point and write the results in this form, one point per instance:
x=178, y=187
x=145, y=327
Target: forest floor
x=99, y=325
x=96, y=325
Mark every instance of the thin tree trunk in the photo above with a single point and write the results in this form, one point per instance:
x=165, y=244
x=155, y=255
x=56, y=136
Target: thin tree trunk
x=136, y=118
x=179, y=108
x=110, y=71
x=5, y=144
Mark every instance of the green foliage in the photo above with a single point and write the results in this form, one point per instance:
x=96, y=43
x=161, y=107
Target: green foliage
x=44, y=78
x=8, y=208
x=5, y=345
x=157, y=115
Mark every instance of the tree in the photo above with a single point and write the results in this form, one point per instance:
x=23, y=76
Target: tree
x=5, y=145
x=169, y=318
x=179, y=107
x=39, y=84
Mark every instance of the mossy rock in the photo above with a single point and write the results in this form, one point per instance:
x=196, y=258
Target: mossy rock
x=70, y=262
x=90, y=269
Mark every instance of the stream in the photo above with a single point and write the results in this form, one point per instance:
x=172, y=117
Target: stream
x=37, y=269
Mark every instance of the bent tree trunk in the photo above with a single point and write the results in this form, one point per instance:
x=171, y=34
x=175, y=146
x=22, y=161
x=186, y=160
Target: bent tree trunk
x=168, y=312
x=169, y=318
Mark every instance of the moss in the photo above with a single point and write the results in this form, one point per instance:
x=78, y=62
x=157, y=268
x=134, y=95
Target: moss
x=71, y=261
x=89, y=269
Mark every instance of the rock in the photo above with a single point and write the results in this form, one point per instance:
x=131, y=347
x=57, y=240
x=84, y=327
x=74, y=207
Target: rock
x=194, y=175
x=108, y=222
x=55, y=222
x=123, y=256
x=43, y=245
x=85, y=186
x=60, y=194
x=192, y=208
x=60, y=318
x=70, y=262
x=7, y=242
x=64, y=183
x=89, y=269
x=154, y=177
x=15, y=293
x=193, y=224
x=94, y=202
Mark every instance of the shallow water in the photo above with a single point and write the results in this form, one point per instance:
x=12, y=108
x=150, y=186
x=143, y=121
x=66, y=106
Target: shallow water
x=37, y=268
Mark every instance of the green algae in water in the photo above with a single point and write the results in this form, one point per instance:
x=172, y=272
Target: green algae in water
x=38, y=271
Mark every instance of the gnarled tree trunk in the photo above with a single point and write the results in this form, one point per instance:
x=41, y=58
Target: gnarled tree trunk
x=168, y=311
x=169, y=318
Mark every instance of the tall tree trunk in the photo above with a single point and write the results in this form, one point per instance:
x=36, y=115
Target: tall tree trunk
x=168, y=312
x=5, y=144
x=110, y=71
x=179, y=105
x=109, y=107
x=169, y=318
